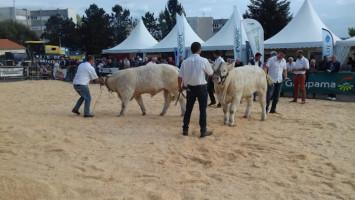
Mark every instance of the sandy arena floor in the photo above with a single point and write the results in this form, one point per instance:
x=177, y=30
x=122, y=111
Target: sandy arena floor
x=47, y=152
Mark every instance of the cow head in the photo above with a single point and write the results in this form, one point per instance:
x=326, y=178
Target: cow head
x=221, y=71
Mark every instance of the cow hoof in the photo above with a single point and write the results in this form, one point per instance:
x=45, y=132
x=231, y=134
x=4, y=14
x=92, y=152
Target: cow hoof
x=262, y=119
x=226, y=123
x=162, y=114
x=144, y=113
x=119, y=115
x=231, y=125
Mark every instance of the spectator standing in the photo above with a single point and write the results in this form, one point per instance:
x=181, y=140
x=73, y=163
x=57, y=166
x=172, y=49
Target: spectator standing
x=171, y=61
x=324, y=64
x=153, y=61
x=238, y=63
x=299, y=76
x=210, y=84
x=180, y=61
x=333, y=67
x=126, y=63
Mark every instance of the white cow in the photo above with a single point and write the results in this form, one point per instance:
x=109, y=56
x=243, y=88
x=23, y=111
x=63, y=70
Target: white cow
x=232, y=84
x=133, y=82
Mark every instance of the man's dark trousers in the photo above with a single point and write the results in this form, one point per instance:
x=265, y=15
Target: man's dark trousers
x=199, y=92
x=210, y=89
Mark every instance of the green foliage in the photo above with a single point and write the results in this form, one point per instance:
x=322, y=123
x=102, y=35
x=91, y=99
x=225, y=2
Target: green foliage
x=121, y=23
x=96, y=30
x=150, y=23
x=351, y=31
x=273, y=15
x=167, y=18
x=16, y=32
x=61, y=32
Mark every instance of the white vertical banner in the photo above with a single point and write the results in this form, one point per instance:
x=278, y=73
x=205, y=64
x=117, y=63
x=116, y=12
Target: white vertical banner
x=328, y=43
x=237, y=36
x=255, y=33
x=180, y=50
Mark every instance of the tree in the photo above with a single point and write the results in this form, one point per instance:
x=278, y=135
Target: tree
x=351, y=31
x=95, y=30
x=61, y=32
x=150, y=23
x=16, y=32
x=121, y=23
x=79, y=21
x=273, y=15
x=167, y=18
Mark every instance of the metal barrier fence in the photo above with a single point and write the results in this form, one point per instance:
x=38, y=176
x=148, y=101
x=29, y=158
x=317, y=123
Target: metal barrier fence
x=35, y=73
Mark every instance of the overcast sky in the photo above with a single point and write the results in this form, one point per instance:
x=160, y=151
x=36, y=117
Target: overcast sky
x=337, y=15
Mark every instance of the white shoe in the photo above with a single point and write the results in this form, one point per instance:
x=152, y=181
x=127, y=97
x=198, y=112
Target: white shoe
x=333, y=99
x=329, y=98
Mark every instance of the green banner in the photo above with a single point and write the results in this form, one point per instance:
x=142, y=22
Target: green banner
x=337, y=83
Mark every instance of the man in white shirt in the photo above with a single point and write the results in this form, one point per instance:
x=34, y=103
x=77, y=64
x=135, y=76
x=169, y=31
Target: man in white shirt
x=290, y=64
x=83, y=76
x=299, y=76
x=275, y=67
x=153, y=61
x=257, y=62
x=210, y=84
x=193, y=73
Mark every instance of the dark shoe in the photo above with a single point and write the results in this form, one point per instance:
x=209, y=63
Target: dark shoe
x=219, y=105
x=274, y=111
x=206, y=133
x=185, y=133
x=254, y=99
x=76, y=112
x=293, y=101
x=303, y=102
x=89, y=116
x=212, y=103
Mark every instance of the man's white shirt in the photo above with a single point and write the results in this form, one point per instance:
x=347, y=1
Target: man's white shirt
x=84, y=74
x=151, y=63
x=218, y=60
x=290, y=66
x=194, y=69
x=276, y=68
x=301, y=63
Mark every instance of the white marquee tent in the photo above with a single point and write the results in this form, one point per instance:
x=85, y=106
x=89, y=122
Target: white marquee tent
x=342, y=49
x=223, y=39
x=304, y=31
x=139, y=39
x=169, y=43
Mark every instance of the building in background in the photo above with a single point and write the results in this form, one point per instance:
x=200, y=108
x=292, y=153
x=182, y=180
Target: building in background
x=202, y=26
x=218, y=24
x=10, y=46
x=35, y=19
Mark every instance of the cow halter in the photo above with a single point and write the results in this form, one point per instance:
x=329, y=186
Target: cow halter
x=218, y=73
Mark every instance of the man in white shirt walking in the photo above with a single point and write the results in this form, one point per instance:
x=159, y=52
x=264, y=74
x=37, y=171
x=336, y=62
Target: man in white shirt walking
x=275, y=67
x=83, y=76
x=153, y=61
x=193, y=72
x=299, y=76
x=210, y=84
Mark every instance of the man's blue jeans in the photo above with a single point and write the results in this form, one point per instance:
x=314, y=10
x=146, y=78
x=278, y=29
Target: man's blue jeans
x=199, y=92
x=83, y=91
x=273, y=92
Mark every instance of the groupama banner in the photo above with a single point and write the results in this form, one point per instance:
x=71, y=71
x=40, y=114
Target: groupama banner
x=338, y=83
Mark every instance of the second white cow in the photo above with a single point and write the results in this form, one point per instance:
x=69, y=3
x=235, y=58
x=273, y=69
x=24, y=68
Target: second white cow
x=232, y=84
x=132, y=83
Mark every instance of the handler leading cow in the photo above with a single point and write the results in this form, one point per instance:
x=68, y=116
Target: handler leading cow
x=232, y=84
x=132, y=83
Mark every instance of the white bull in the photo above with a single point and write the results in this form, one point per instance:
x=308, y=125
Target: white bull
x=132, y=83
x=232, y=84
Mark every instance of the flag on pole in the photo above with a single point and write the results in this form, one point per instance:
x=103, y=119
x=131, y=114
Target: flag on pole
x=180, y=50
x=328, y=43
x=255, y=33
x=237, y=37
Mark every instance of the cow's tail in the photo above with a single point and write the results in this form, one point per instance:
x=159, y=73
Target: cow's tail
x=270, y=82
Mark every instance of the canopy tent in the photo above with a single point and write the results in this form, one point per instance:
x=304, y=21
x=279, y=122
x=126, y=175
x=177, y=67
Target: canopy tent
x=223, y=39
x=139, y=39
x=342, y=49
x=304, y=31
x=169, y=43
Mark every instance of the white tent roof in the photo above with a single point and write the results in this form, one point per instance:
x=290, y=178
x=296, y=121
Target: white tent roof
x=139, y=39
x=304, y=30
x=348, y=42
x=223, y=39
x=169, y=43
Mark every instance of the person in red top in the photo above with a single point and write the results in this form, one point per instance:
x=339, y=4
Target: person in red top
x=171, y=61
